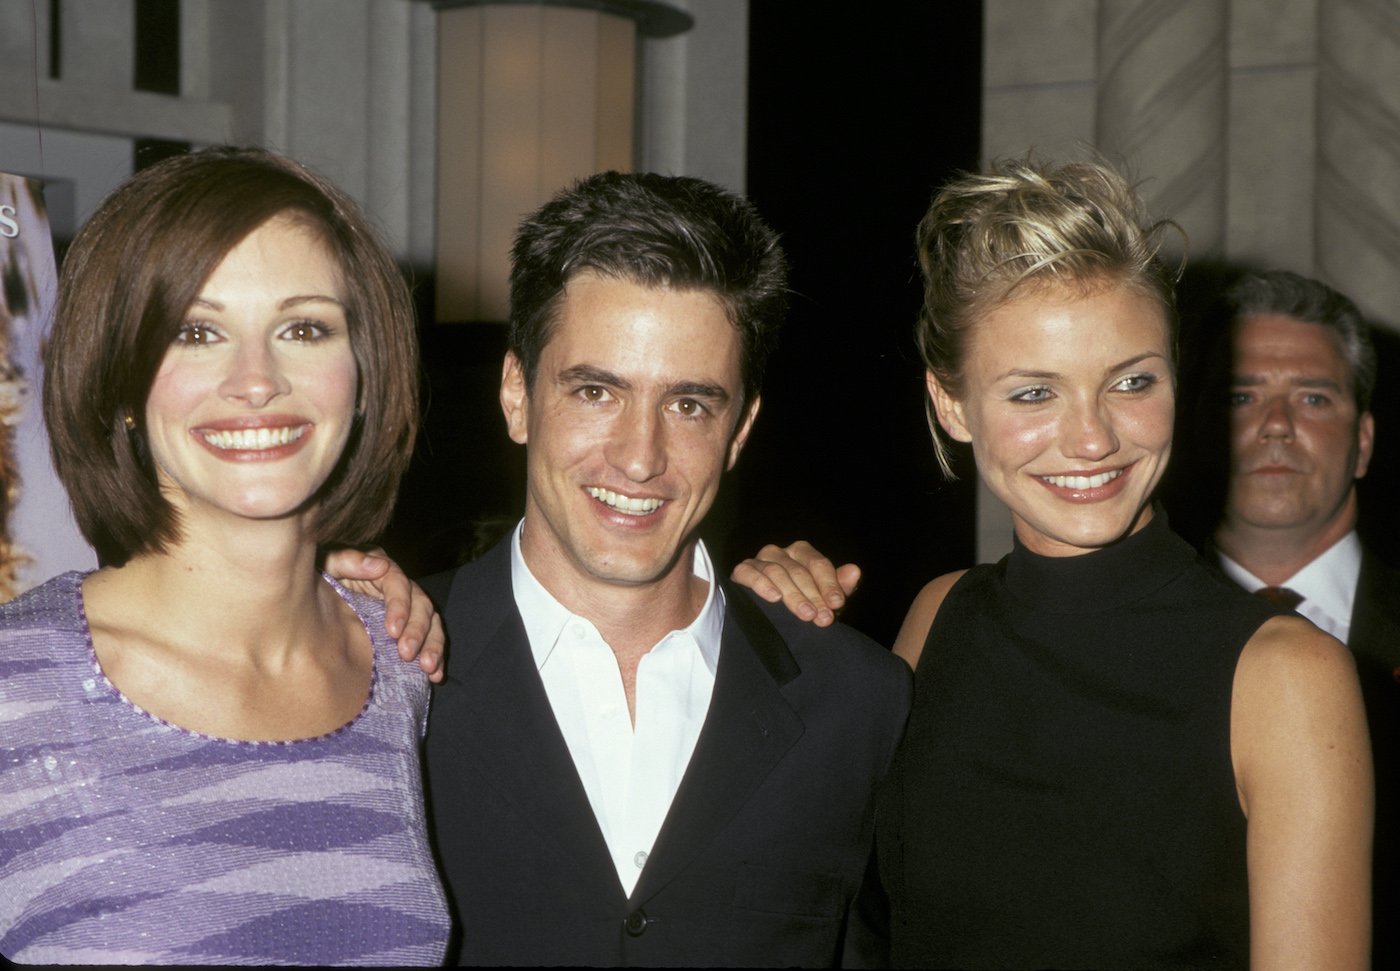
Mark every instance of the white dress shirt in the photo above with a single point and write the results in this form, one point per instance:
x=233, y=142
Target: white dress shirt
x=630, y=773
x=1327, y=585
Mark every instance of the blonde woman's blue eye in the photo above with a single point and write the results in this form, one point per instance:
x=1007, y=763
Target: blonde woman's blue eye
x=1137, y=382
x=1031, y=395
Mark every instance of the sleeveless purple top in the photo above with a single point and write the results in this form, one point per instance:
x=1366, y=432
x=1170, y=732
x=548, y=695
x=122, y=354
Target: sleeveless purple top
x=127, y=840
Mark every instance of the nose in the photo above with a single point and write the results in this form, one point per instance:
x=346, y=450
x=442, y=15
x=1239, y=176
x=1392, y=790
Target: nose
x=1277, y=421
x=1090, y=433
x=638, y=445
x=254, y=377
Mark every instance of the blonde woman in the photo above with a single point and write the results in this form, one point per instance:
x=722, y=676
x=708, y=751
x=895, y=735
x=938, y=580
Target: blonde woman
x=1115, y=757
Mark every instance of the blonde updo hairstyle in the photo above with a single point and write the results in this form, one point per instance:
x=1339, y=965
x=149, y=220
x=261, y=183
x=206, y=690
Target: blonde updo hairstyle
x=987, y=238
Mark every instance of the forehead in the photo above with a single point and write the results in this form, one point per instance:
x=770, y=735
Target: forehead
x=1072, y=325
x=284, y=255
x=1276, y=345
x=631, y=328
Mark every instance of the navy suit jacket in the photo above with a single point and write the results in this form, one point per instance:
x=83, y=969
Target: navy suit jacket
x=765, y=844
x=1374, y=640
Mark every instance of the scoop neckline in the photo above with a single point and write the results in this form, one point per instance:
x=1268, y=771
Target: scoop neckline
x=121, y=696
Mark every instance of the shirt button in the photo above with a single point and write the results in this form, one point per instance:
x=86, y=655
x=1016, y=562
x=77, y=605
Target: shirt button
x=636, y=923
x=640, y=859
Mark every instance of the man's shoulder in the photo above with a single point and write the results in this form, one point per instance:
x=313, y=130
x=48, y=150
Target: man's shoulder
x=1375, y=615
x=482, y=577
x=838, y=648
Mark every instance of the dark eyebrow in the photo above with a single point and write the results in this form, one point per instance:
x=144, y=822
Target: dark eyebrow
x=1253, y=380
x=698, y=389
x=283, y=305
x=588, y=374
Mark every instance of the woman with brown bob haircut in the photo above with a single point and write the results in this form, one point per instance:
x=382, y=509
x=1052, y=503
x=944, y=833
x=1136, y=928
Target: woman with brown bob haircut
x=211, y=748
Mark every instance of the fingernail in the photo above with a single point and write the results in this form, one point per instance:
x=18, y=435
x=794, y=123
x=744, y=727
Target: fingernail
x=806, y=611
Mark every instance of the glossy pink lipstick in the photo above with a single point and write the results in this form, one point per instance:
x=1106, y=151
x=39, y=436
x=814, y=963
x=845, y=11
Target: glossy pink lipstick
x=264, y=438
x=1093, y=485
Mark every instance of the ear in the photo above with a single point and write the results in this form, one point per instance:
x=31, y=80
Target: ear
x=741, y=433
x=948, y=409
x=515, y=399
x=1365, y=442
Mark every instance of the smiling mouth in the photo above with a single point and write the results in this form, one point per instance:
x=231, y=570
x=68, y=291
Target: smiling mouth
x=253, y=439
x=1082, y=481
x=625, y=504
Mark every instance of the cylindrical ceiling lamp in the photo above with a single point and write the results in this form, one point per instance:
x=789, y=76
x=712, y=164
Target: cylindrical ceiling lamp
x=531, y=96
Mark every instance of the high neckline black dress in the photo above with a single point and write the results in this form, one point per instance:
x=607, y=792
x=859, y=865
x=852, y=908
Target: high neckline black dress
x=1064, y=796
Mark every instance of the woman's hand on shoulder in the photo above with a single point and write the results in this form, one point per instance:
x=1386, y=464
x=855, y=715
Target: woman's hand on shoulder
x=913, y=633
x=1302, y=758
x=409, y=616
x=801, y=578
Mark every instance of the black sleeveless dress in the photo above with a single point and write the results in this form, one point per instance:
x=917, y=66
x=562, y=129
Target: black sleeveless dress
x=1064, y=796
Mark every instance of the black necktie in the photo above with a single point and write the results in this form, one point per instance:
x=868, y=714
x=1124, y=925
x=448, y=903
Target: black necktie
x=1281, y=596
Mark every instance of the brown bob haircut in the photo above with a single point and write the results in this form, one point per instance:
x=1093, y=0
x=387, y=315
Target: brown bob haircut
x=125, y=286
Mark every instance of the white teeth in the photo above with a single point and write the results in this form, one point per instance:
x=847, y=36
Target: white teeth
x=627, y=504
x=1082, y=481
x=254, y=439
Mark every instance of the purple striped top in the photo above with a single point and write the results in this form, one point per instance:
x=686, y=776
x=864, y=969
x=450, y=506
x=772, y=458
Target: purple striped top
x=127, y=840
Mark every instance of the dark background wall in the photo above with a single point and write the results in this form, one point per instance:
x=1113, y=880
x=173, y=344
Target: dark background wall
x=852, y=124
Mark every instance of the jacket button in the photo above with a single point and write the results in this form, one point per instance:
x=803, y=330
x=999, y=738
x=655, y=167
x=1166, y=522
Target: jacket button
x=636, y=923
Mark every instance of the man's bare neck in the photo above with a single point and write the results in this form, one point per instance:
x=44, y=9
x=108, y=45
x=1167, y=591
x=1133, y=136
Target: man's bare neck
x=1275, y=555
x=632, y=619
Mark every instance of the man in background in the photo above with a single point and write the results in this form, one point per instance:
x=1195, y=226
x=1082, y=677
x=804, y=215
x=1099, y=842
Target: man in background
x=1302, y=372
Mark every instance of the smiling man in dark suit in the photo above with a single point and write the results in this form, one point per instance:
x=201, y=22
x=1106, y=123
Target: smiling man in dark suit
x=632, y=762
x=1302, y=371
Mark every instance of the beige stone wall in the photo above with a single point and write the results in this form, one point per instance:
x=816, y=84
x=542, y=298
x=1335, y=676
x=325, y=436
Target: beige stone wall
x=349, y=86
x=1269, y=129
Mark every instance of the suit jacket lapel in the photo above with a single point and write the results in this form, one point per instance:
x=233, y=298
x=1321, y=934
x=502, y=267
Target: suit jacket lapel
x=748, y=729
x=507, y=725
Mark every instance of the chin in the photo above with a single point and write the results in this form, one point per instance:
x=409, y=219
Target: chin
x=1092, y=535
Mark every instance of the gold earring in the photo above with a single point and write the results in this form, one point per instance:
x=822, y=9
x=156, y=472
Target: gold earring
x=130, y=423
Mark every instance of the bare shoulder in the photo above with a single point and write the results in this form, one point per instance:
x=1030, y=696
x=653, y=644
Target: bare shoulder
x=1295, y=692
x=1302, y=761
x=917, y=622
x=1289, y=649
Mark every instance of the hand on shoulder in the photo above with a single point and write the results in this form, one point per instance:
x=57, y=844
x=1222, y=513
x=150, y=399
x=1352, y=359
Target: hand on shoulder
x=801, y=578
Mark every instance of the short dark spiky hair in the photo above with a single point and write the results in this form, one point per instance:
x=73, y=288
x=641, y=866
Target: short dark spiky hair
x=126, y=284
x=1313, y=302
x=656, y=231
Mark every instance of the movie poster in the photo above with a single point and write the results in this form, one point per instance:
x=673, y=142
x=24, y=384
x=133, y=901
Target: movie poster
x=38, y=537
